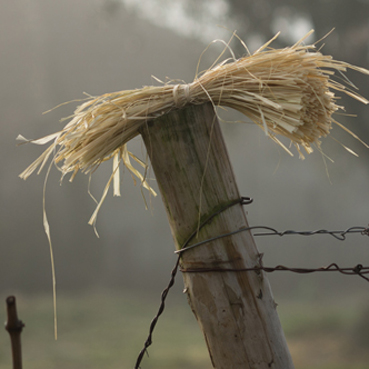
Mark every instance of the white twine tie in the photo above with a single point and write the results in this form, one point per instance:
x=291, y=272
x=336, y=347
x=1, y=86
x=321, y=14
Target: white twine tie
x=181, y=95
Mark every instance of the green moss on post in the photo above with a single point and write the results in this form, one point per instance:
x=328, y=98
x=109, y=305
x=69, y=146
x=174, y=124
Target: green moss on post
x=235, y=310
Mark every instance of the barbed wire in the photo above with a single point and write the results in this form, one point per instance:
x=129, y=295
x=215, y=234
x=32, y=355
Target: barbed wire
x=358, y=270
x=163, y=297
x=339, y=235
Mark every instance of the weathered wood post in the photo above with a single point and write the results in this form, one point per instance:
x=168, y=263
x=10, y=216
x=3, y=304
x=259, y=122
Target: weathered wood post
x=235, y=310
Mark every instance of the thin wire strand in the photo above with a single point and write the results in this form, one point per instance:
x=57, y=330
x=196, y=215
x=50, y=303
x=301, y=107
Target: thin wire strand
x=339, y=235
x=359, y=270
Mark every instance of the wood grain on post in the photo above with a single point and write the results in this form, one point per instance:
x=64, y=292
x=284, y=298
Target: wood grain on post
x=235, y=310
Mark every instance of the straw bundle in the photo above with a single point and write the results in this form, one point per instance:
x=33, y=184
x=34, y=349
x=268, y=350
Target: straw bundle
x=286, y=92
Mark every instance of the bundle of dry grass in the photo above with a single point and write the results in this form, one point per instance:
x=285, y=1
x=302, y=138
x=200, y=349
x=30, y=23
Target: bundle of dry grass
x=286, y=92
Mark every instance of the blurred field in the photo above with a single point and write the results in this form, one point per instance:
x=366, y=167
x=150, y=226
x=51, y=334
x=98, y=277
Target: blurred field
x=107, y=330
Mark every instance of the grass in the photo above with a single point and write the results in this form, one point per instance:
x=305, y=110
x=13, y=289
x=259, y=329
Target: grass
x=108, y=330
x=105, y=330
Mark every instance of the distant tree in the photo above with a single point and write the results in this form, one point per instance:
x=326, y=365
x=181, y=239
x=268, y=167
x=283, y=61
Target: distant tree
x=349, y=41
x=350, y=18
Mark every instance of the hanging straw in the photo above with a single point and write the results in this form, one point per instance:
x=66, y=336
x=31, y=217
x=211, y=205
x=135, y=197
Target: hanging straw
x=288, y=92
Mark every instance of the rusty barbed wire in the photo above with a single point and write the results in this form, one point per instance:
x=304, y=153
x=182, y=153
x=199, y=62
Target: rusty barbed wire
x=358, y=270
x=339, y=235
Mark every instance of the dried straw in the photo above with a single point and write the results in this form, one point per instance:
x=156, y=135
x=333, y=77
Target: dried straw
x=286, y=92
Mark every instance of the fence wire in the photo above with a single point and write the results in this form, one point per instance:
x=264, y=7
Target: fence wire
x=358, y=270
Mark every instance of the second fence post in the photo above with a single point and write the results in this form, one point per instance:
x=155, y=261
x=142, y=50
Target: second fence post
x=235, y=310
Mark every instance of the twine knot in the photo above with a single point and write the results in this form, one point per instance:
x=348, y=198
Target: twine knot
x=181, y=95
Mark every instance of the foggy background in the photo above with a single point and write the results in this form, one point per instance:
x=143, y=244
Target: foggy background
x=53, y=51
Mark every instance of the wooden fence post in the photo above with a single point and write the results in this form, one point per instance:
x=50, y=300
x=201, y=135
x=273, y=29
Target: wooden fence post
x=235, y=310
x=14, y=326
